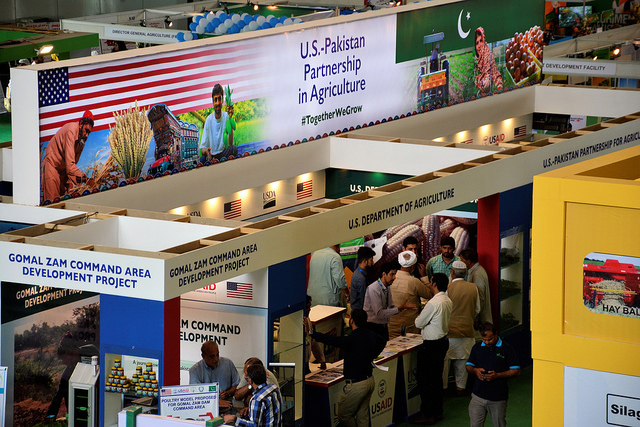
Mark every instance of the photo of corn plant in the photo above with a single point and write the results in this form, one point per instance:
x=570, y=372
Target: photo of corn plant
x=129, y=140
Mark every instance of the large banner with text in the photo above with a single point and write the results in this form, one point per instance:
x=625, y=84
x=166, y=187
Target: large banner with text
x=109, y=124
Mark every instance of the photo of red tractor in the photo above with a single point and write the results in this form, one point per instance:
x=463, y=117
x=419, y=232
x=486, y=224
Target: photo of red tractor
x=610, y=282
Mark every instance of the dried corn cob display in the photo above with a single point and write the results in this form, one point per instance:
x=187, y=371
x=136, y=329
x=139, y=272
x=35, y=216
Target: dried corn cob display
x=461, y=236
x=431, y=230
x=446, y=227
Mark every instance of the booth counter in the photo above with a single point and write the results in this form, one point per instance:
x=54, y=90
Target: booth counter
x=393, y=396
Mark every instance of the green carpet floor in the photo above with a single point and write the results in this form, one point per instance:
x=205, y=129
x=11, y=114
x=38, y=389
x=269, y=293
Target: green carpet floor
x=518, y=409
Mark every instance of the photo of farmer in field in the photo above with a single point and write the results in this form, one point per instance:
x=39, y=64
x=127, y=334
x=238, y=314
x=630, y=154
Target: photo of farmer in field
x=60, y=172
x=217, y=136
x=48, y=345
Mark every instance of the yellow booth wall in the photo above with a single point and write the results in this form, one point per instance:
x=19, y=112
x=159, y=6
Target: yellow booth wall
x=590, y=207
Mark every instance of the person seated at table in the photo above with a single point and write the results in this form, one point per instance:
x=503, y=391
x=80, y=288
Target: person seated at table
x=244, y=390
x=265, y=405
x=213, y=368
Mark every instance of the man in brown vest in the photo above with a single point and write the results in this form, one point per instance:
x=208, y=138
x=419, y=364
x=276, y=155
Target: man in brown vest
x=466, y=306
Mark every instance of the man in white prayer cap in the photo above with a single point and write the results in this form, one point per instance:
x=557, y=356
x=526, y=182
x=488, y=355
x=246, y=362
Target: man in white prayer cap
x=407, y=289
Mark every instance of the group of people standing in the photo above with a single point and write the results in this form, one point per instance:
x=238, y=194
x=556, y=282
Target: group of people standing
x=457, y=295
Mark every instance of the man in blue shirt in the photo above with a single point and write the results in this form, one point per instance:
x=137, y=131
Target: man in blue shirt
x=492, y=362
x=359, y=280
x=213, y=368
x=265, y=406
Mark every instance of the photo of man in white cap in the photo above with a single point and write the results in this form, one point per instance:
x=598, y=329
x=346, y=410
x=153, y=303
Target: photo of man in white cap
x=407, y=288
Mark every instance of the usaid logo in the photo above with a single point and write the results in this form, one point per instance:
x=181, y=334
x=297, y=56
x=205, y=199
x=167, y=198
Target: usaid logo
x=268, y=199
x=382, y=388
x=494, y=139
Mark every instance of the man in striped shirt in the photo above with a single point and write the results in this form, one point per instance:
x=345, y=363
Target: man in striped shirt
x=265, y=406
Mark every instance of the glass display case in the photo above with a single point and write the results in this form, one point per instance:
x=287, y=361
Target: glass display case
x=512, y=278
x=288, y=353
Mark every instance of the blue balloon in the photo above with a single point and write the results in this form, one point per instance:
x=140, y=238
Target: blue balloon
x=223, y=17
x=282, y=19
x=215, y=22
x=210, y=28
x=197, y=19
x=180, y=36
x=248, y=19
x=195, y=36
x=234, y=29
x=241, y=24
x=193, y=26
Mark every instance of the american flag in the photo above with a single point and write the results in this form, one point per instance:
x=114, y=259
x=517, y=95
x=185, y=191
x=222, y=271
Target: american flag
x=239, y=290
x=181, y=79
x=304, y=189
x=520, y=131
x=233, y=209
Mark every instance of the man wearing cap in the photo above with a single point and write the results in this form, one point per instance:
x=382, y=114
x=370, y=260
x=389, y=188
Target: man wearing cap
x=442, y=263
x=408, y=288
x=466, y=306
x=359, y=280
x=60, y=172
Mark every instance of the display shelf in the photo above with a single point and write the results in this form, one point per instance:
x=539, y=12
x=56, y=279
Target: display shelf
x=288, y=351
x=510, y=287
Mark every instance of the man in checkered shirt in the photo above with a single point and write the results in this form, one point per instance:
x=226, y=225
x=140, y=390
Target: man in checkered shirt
x=265, y=406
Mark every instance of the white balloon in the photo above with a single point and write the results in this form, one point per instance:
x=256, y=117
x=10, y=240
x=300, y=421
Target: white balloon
x=200, y=28
x=218, y=13
x=279, y=24
x=209, y=16
x=261, y=19
x=270, y=17
x=188, y=36
x=252, y=25
x=228, y=23
x=235, y=18
x=288, y=21
x=297, y=20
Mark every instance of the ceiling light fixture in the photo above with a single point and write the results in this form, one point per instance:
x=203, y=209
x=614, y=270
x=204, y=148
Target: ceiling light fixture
x=45, y=49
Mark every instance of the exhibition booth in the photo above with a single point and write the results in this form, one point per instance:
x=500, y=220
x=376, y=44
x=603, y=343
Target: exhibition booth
x=205, y=250
x=118, y=254
x=584, y=300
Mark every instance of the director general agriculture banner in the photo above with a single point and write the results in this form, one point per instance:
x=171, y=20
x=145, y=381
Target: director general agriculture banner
x=153, y=114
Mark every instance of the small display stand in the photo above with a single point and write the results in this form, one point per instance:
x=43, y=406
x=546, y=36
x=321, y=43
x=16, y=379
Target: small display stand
x=82, y=394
